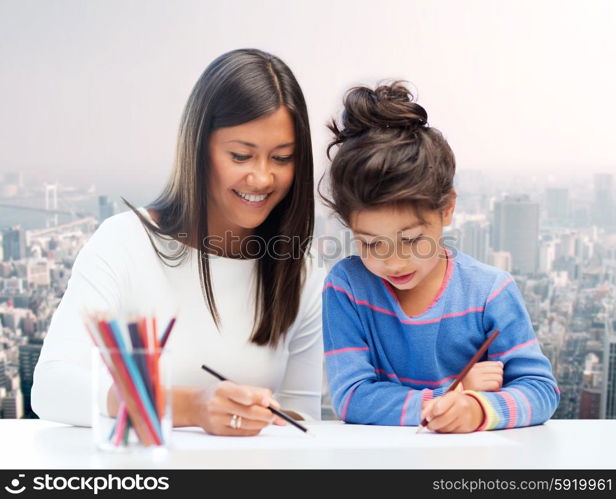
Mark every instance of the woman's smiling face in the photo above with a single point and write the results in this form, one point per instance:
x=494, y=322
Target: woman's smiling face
x=252, y=170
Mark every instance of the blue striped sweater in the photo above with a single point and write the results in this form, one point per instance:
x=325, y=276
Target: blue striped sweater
x=382, y=364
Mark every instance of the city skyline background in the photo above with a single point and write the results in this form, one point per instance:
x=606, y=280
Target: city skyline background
x=558, y=242
x=92, y=92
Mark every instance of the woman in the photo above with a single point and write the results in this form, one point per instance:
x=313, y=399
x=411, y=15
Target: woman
x=227, y=240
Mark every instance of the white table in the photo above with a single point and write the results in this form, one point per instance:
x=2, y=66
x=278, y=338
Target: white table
x=559, y=444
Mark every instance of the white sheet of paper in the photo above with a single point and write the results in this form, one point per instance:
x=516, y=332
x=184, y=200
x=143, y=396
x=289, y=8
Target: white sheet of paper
x=338, y=436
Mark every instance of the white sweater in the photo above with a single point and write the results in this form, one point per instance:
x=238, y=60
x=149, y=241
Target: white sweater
x=117, y=270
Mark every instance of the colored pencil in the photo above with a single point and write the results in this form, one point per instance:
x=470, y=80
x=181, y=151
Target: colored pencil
x=120, y=378
x=140, y=339
x=131, y=353
x=466, y=369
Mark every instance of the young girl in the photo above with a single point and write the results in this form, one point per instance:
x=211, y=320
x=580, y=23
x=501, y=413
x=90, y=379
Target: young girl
x=402, y=319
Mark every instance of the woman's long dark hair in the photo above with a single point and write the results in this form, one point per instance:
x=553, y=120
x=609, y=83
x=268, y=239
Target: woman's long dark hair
x=238, y=87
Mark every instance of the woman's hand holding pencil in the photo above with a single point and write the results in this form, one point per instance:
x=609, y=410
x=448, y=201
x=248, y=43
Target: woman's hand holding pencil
x=281, y=417
x=235, y=410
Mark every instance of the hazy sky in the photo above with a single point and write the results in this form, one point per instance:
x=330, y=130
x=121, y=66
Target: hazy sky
x=93, y=90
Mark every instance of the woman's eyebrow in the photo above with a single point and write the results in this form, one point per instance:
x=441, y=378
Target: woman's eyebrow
x=243, y=142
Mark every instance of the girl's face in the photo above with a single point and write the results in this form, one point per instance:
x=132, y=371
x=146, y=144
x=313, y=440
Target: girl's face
x=395, y=245
x=252, y=169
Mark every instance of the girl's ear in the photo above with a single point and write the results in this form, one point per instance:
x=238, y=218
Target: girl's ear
x=447, y=213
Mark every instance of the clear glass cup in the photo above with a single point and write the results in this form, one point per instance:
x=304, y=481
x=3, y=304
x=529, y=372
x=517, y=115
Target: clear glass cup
x=141, y=379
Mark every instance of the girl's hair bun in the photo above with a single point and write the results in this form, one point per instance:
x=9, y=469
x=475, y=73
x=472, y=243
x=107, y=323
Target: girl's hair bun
x=388, y=155
x=388, y=106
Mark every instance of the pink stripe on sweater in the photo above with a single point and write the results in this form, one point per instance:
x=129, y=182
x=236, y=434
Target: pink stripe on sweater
x=347, y=349
x=426, y=395
x=513, y=409
x=405, y=407
x=446, y=316
x=359, y=302
x=431, y=383
x=416, y=381
x=498, y=291
x=517, y=347
x=346, y=405
x=526, y=401
x=389, y=312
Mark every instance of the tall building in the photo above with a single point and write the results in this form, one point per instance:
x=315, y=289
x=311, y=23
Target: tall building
x=603, y=205
x=547, y=255
x=501, y=260
x=3, y=376
x=106, y=208
x=14, y=244
x=557, y=204
x=12, y=405
x=28, y=357
x=609, y=267
x=608, y=389
x=608, y=399
x=476, y=239
x=590, y=404
x=516, y=230
x=38, y=272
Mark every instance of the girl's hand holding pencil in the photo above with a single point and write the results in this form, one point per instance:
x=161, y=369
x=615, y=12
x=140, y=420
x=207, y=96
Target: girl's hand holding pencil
x=459, y=413
x=454, y=412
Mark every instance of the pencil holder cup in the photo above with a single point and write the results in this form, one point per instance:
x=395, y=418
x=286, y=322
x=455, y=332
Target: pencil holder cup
x=138, y=381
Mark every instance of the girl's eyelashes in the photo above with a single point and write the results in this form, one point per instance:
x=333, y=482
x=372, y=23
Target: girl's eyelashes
x=405, y=240
x=411, y=240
